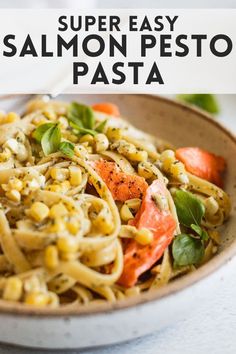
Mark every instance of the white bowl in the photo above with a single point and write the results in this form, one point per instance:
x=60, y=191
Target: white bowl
x=133, y=317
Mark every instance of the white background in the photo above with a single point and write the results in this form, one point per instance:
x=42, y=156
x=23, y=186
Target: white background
x=189, y=74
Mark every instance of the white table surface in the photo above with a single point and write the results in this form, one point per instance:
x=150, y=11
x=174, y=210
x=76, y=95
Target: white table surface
x=209, y=328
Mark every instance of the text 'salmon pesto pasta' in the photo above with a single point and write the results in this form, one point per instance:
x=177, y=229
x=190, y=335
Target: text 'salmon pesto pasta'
x=92, y=209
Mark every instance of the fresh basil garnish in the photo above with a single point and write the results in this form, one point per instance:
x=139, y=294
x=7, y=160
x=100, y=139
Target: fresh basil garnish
x=51, y=140
x=187, y=250
x=200, y=232
x=208, y=102
x=49, y=135
x=82, y=130
x=101, y=126
x=39, y=132
x=82, y=119
x=190, y=209
x=81, y=115
x=67, y=148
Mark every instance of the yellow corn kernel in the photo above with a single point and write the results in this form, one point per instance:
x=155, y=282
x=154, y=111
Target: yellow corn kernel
x=138, y=155
x=50, y=114
x=211, y=206
x=32, y=284
x=13, y=195
x=35, y=105
x=103, y=224
x=73, y=226
x=65, y=186
x=22, y=153
x=13, y=289
x=87, y=138
x=101, y=142
x=215, y=235
x=5, y=187
x=63, y=122
x=51, y=257
x=167, y=158
x=124, y=148
x=40, y=121
x=30, y=185
x=43, y=121
x=177, y=170
x=20, y=137
x=53, y=299
x=2, y=117
x=120, y=295
x=143, y=171
x=144, y=236
x=15, y=183
x=114, y=133
x=75, y=175
x=59, y=174
x=58, y=210
x=72, y=137
x=133, y=204
x=67, y=244
x=85, y=145
x=5, y=155
x=167, y=163
x=125, y=213
x=12, y=144
x=167, y=154
x=89, y=149
x=134, y=291
x=69, y=205
x=54, y=188
x=58, y=226
x=127, y=231
x=36, y=299
x=39, y=211
x=12, y=117
x=81, y=151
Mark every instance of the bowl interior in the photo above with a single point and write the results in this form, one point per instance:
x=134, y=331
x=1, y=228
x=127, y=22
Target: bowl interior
x=181, y=126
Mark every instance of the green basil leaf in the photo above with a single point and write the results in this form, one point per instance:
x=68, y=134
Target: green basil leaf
x=204, y=235
x=190, y=209
x=187, y=250
x=199, y=231
x=100, y=127
x=51, y=140
x=81, y=115
x=82, y=130
x=39, y=132
x=67, y=148
x=207, y=102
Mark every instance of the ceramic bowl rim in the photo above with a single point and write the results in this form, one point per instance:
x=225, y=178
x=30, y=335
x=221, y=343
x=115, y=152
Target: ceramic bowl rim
x=170, y=289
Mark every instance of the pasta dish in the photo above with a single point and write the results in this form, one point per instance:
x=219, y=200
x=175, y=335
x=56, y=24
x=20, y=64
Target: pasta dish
x=95, y=210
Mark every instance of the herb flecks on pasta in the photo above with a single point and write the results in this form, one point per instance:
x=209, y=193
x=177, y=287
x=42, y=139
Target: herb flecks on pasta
x=92, y=209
